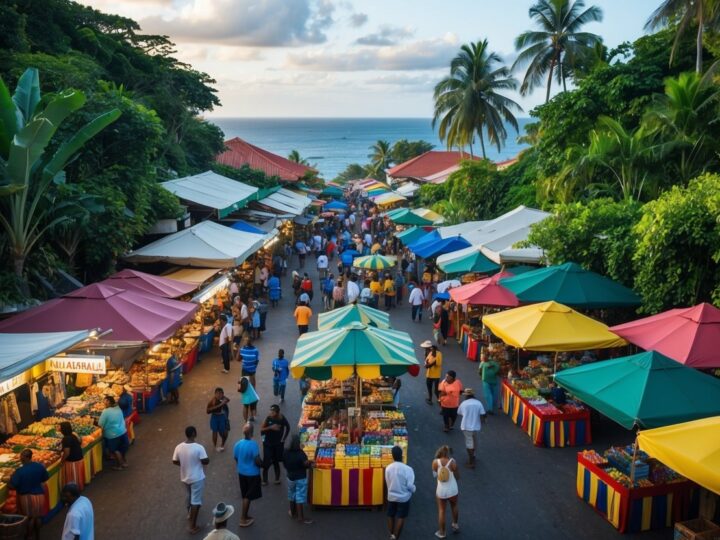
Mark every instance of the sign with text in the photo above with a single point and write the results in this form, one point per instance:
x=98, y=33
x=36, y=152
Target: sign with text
x=75, y=363
x=11, y=384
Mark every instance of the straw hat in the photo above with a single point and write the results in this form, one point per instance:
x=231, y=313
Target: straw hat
x=426, y=344
x=222, y=512
x=468, y=392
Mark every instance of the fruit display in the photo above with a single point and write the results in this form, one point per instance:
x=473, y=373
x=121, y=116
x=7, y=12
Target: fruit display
x=593, y=457
x=616, y=461
x=531, y=390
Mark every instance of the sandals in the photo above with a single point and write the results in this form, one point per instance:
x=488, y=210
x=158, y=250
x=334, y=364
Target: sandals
x=439, y=534
x=455, y=527
x=247, y=523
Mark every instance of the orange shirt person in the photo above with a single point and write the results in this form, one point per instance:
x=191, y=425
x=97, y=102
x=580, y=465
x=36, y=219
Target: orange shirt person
x=303, y=314
x=450, y=390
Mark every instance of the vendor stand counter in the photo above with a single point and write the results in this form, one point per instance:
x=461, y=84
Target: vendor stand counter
x=470, y=345
x=560, y=429
x=635, y=509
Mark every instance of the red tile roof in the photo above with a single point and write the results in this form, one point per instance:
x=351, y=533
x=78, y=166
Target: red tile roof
x=239, y=153
x=427, y=164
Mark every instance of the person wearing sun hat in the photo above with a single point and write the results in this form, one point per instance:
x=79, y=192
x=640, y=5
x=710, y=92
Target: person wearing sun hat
x=221, y=513
x=473, y=415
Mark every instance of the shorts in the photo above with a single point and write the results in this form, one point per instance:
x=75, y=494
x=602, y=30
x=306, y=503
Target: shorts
x=118, y=444
x=250, y=487
x=272, y=453
x=297, y=490
x=237, y=339
x=246, y=373
x=470, y=438
x=218, y=423
x=195, y=493
x=398, y=509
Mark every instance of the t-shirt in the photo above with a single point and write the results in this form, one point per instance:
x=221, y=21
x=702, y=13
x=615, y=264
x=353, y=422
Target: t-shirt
x=226, y=334
x=322, y=262
x=375, y=248
x=434, y=371
x=452, y=392
x=80, y=520
x=249, y=396
x=306, y=285
x=400, y=480
x=303, y=314
x=471, y=410
x=375, y=287
x=416, y=297
x=245, y=452
x=221, y=534
x=112, y=422
x=274, y=437
x=353, y=291
x=280, y=370
x=489, y=371
x=29, y=478
x=73, y=443
x=365, y=295
x=330, y=248
x=125, y=402
x=389, y=287
x=294, y=462
x=190, y=456
x=250, y=358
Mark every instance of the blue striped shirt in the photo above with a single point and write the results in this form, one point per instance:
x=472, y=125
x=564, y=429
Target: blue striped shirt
x=250, y=358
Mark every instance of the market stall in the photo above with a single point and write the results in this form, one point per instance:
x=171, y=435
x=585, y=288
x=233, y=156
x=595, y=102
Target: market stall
x=646, y=390
x=341, y=424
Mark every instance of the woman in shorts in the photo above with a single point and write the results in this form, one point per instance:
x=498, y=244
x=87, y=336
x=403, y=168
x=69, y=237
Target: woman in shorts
x=296, y=465
x=445, y=470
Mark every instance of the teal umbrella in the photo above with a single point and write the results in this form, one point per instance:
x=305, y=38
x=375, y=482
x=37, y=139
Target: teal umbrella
x=473, y=261
x=520, y=269
x=572, y=285
x=408, y=217
x=408, y=236
x=343, y=316
x=646, y=390
x=332, y=191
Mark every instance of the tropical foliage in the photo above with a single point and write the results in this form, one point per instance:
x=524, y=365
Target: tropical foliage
x=383, y=155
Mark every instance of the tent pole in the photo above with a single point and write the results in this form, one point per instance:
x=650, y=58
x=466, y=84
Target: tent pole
x=634, y=459
x=556, y=359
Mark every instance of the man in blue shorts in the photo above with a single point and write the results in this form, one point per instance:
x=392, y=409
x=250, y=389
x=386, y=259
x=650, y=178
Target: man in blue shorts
x=400, y=480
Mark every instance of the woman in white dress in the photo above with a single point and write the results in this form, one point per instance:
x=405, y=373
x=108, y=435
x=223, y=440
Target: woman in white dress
x=446, y=471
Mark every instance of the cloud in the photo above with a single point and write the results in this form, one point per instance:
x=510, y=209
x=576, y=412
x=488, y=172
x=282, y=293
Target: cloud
x=386, y=35
x=417, y=55
x=412, y=83
x=358, y=19
x=271, y=23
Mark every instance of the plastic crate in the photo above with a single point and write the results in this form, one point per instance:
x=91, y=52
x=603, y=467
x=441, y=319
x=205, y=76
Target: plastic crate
x=697, y=529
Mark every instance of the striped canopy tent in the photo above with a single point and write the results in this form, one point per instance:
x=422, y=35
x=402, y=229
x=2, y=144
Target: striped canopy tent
x=385, y=199
x=375, y=262
x=429, y=214
x=354, y=313
x=355, y=349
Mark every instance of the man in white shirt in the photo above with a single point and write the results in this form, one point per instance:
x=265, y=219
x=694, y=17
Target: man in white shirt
x=225, y=341
x=190, y=457
x=416, y=300
x=353, y=291
x=368, y=239
x=322, y=265
x=473, y=415
x=80, y=520
x=400, y=480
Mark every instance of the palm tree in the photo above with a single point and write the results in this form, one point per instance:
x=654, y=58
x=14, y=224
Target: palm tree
x=468, y=102
x=380, y=158
x=559, y=46
x=27, y=127
x=295, y=157
x=685, y=12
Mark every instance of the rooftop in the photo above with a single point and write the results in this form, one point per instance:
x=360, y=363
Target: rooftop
x=239, y=152
x=428, y=164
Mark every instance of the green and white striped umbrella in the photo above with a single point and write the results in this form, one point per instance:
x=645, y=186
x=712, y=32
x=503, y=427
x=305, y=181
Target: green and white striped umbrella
x=354, y=349
x=353, y=313
x=375, y=262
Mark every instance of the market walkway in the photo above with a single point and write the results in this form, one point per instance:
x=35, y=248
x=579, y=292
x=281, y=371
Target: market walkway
x=516, y=491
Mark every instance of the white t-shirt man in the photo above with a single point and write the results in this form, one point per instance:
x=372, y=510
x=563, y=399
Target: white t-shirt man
x=353, y=291
x=190, y=456
x=416, y=297
x=80, y=520
x=322, y=262
x=317, y=240
x=226, y=334
x=471, y=410
x=400, y=481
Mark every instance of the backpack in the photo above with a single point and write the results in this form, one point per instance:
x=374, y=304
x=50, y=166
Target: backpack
x=443, y=473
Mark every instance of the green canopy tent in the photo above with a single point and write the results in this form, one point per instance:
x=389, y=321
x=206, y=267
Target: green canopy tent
x=354, y=313
x=572, y=285
x=332, y=191
x=471, y=260
x=645, y=390
x=408, y=236
x=394, y=212
x=408, y=217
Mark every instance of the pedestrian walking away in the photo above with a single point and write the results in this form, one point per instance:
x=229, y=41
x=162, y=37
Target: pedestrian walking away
x=433, y=370
x=27, y=481
x=250, y=399
x=322, y=265
x=221, y=514
x=416, y=300
x=225, y=341
x=303, y=315
x=450, y=390
x=248, y=462
x=114, y=429
x=219, y=413
x=191, y=456
x=446, y=472
x=250, y=358
x=79, y=520
x=400, y=481
x=473, y=416
x=488, y=372
x=274, y=430
x=281, y=371
x=296, y=464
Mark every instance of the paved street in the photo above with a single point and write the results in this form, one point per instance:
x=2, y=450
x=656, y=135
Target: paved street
x=516, y=491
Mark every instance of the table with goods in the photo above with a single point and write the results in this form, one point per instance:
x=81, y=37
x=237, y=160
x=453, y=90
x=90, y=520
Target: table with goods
x=657, y=498
x=528, y=400
x=350, y=446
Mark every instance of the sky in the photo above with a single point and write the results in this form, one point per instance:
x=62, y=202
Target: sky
x=345, y=58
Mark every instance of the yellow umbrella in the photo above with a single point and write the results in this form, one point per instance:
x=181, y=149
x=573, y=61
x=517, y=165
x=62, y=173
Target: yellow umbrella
x=690, y=448
x=550, y=326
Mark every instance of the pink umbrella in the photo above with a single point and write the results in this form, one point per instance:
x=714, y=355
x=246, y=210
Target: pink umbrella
x=485, y=292
x=131, y=315
x=132, y=280
x=689, y=335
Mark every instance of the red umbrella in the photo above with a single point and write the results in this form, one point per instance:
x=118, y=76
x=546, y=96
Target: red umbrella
x=132, y=280
x=485, y=292
x=689, y=335
x=131, y=315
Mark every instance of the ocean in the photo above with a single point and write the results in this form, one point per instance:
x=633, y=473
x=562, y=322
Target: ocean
x=330, y=144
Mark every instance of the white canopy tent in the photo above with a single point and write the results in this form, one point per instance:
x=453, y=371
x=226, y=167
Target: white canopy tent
x=212, y=190
x=204, y=245
x=408, y=189
x=461, y=229
x=20, y=352
x=287, y=202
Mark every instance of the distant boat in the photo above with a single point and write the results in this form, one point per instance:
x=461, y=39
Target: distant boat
x=316, y=157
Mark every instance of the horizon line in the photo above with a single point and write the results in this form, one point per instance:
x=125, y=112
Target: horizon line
x=213, y=117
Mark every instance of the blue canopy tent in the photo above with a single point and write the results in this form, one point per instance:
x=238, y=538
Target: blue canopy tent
x=335, y=205
x=425, y=240
x=440, y=247
x=244, y=226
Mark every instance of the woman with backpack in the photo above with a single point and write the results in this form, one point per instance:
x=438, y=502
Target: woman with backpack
x=446, y=471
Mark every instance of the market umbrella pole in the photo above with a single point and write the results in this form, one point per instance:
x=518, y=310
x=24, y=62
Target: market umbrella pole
x=634, y=459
